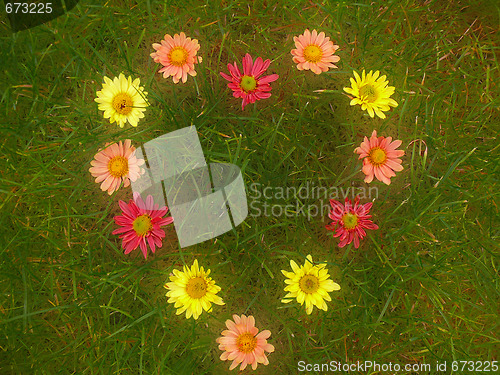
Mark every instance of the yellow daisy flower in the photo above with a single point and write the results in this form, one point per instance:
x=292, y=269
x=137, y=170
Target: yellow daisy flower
x=192, y=291
x=372, y=93
x=309, y=284
x=122, y=100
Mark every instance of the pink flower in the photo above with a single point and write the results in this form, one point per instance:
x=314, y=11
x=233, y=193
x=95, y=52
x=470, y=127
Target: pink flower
x=380, y=158
x=116, y=164
x=140, y=224
x=250, y=85
x=242, y=343
x=350, y=221
x=177, y=55
x=314, y=52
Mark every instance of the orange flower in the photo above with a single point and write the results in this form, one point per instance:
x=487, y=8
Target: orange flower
x=314, y=52
x=242, y=343
x=380, y=158
x=177, y=55
x=115, y=164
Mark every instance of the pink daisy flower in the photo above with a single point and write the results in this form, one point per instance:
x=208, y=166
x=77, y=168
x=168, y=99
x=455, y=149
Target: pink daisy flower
x=380, y=158
x=314, y=52
x=242, y=343
x=250, y=85
x=141, y=224
x=349, y=222
x=177, y=55
x=116, y=164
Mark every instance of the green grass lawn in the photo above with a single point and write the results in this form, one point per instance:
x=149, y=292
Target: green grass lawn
x=424, y=288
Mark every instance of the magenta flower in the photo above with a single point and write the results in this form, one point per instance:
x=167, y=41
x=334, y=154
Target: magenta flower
x=141, y=224
x=349, y=222
x=250, y=85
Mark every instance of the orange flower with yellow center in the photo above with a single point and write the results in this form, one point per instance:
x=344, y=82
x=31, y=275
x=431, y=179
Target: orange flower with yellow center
x=242, y=343
x=314, y=52
x=380, y=158
x=177, y=54
x=115, y=164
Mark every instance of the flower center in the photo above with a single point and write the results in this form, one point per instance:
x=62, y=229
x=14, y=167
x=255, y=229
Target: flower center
x=122, y=103
x=350, y=221
x=309, y=284
x=246, y=342
x=178, y=56
x=142, y=225
x=368, y=93
x=196, y=287
x=377, y=156
x=118, y=166
x=248, y=83
x=313, y=53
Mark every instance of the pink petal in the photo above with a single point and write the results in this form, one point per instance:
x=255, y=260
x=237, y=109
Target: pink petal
x=268, y=79
x=247, y=65
x=144, y=249
x=234, y=70
x=257, y=67
x=151, y=243
x=226, y=77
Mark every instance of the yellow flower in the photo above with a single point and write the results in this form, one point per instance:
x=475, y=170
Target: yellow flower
x=309, y=284
x=192, y=291
x=372, y=93
x=122, y=100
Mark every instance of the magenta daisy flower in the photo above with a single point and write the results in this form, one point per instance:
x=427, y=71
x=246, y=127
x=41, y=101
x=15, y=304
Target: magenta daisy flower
x=250, y=85
x=141, y=224
x=349, y=222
